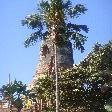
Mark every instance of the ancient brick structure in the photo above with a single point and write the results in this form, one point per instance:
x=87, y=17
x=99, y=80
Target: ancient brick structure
x=47, y=58
x=46, y=61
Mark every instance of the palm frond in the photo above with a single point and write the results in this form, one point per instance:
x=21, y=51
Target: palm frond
x=78, y=41
x=34, y=37
x=77, y=28
x=73, y=11
x=44, y=7
x=33, y=21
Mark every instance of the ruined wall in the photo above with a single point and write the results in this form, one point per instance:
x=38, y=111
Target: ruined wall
x=46, y=62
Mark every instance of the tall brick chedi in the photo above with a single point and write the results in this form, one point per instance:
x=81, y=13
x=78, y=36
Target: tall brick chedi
x=46, y=61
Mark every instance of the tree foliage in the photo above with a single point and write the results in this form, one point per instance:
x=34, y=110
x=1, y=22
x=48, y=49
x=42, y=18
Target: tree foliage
x=13, y=93
x=54, y=16
x=86, y=87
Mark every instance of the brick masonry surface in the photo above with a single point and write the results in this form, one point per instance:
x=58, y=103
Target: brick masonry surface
x=46, y=62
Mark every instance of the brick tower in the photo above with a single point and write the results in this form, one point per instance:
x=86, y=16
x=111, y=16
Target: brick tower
x=46, y=62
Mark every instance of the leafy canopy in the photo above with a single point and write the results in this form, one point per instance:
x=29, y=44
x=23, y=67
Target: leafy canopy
x=54, y=16
x=86, y=87
x=14, y=92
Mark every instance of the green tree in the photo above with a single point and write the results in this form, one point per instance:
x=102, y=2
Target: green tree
x=53, y=17
x=43, y=90
x=52, y=21
x=81, y=88
x=13, y=93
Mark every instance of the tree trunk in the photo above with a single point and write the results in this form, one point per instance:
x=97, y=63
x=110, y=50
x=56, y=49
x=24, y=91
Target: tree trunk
x=10, y=106
x=36, y=107
x=19, y=110
x=56, y=74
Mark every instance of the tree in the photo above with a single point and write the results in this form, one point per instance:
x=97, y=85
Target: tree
x=44, y=89
x=13, y=93
x=54, y=15
x=52, y=22
x=81, y=88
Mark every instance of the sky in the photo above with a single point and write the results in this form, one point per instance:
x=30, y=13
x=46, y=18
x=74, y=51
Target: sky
x=21, y=62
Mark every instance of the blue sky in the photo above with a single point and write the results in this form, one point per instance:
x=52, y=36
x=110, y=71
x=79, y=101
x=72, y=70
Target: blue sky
x=21, y=62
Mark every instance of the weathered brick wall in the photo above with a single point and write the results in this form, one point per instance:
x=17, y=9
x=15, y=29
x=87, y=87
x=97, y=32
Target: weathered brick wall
x=46, y=62
x=4, y=110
